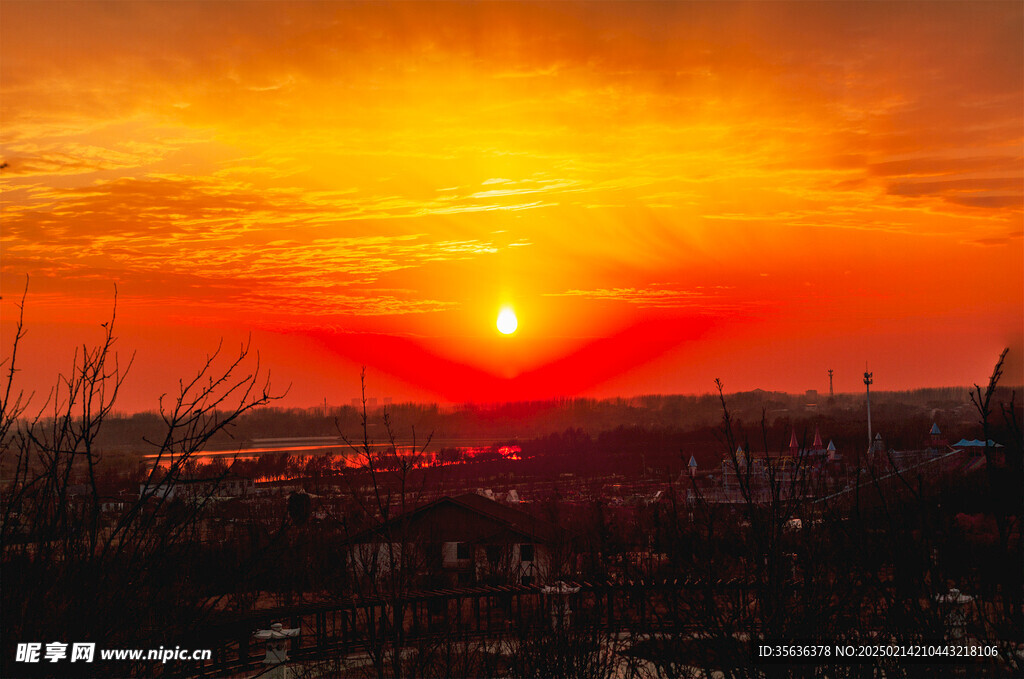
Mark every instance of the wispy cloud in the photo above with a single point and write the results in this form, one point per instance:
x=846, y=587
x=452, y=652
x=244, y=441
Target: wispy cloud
x=652, y=297
x=227, y=236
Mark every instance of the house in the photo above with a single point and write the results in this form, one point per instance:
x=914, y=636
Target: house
x=195, y=489
x=976, y=447
x=459, y=540
x=980, y=453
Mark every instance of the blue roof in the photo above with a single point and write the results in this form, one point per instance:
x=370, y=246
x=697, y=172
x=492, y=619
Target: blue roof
x=976, y=443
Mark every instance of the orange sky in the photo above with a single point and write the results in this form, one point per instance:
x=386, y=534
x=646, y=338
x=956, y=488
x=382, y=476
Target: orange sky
x=666, y=193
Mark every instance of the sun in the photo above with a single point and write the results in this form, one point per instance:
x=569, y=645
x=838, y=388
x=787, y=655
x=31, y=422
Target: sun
x=507, y=321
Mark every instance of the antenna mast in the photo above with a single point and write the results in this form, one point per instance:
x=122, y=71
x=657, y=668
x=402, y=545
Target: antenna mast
x=867, y=384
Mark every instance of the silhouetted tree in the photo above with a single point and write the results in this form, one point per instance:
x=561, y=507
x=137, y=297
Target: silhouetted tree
x=120, y=575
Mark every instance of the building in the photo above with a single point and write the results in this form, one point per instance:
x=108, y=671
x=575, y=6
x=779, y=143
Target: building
x=794, y=473
x=976, y=447
x=198, y=488
x=934, y=447
x=459, y=541
x=979, y=453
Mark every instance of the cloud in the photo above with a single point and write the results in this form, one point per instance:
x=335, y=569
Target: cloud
x=104, y=149
x=982, y=192
x=971, y=185
x=995, y=240
x=1015, y=200
x=938, y=166
x=654, y=297
x=225, y=239
x=498, y=193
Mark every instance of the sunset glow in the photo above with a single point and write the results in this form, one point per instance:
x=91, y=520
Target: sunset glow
x=757, y=191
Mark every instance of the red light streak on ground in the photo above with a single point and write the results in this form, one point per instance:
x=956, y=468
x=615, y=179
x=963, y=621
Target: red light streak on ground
x=351, y=460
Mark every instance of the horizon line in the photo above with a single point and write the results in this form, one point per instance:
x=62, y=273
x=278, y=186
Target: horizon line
x=467, y=405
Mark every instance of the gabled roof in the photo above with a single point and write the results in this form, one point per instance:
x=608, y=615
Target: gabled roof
x=693, y=461
x=515, y=518
x=976, y=443
x=500, y=518
x=935, y=429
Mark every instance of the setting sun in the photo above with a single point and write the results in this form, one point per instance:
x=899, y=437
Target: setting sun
x=507, y=321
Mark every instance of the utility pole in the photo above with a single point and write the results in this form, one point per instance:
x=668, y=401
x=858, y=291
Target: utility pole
x=867, y=383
